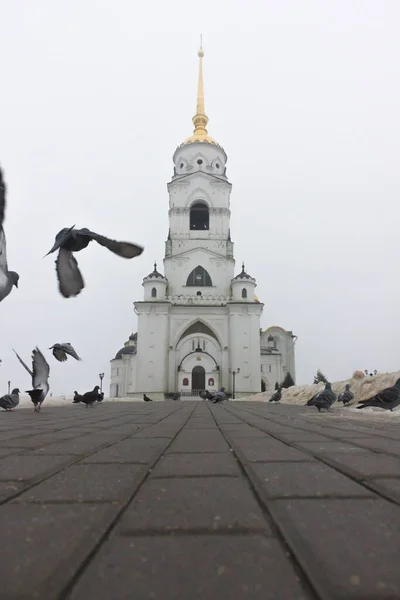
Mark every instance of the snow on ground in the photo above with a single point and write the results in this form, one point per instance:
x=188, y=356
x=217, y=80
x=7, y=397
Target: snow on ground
x=362, y=388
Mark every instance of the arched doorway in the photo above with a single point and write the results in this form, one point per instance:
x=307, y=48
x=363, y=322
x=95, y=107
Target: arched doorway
x=263, y=386
x=198, y=378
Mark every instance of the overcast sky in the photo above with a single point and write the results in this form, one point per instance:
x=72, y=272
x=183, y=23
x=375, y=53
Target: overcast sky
x=303, y=95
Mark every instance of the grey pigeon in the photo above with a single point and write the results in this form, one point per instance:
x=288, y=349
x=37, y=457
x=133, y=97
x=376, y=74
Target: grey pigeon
x=346, y=396
x=276, y=396
x=146, y=398
x=91, y=397
x=387, y=399
x=10, y=401
x=60, y=351
x=40, y=377
x=77, y=398
x=220, y=396
x=7, y=278
x=70, y=240
x=323, y=399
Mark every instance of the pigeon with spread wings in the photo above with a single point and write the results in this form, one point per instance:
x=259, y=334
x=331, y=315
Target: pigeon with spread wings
x=70, y=240
x=7, y=278
x=60, y=351
x=40, y=377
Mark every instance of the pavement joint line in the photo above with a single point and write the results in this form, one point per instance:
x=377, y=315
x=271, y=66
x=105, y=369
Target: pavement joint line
x=65, y=592
x=35, y=481
x=303, y=575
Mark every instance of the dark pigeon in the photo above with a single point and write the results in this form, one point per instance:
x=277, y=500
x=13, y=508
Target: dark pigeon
x=40, y=378
x=323, y=399
x=7, y=278
x=60, y=351
x=346, y=396
x=387, y=399
x=146, y=398
x=10, y=401
x=71, y=240
x=91, y=397
x=276, y=396
x=77, y=398
x=220, y=396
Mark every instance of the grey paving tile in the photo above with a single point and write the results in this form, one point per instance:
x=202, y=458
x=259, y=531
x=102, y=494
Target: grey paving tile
x=387, y=485
x=366, y=464
x=23, y=467
x=330, y=447
x=131, y=450
x=9, y=488
x=87, y=483
x=258, y=449
x=303, y=436
x=197, y=442
x=227, y=567
x=79, y=445
x=46, y=545
x=200, y=503
x=196, y=465
x=379, y=444
x=305, y=480
x=346, y=546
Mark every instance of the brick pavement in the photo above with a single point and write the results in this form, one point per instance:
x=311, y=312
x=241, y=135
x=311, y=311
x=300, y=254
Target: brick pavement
x=193, y=500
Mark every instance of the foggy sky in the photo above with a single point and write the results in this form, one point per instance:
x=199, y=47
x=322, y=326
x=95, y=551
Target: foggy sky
x=303, y=95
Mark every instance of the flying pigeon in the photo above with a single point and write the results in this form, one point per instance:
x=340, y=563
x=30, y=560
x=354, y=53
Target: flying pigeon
x=276, y=396
x=10, y=401
x=70, y=240
x=91, y=397
x=7, y=278
x=60, y=351
x=346, y=396
x=40, y=377
x=323, y=399
x=387, y=399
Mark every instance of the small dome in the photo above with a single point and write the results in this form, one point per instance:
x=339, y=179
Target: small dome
x=155, y=274
x=243, y=274
x=125, y=350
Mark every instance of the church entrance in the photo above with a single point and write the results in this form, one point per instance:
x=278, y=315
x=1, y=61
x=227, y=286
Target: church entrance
x=198, y=378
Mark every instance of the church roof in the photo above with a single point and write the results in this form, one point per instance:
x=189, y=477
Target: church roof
x=125, y=350
x=200, y=119
x=155, y=274
x=243, y=274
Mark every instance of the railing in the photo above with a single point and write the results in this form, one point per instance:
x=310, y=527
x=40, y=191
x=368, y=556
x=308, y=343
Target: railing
x=190, y=393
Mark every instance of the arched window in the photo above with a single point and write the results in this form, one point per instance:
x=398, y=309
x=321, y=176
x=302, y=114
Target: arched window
x=199, y=277
x=263, y=386
x=199, y=217
x=154, y=293
x=185, y=381
x=244, y=293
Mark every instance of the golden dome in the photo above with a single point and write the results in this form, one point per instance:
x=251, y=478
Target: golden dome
x=200, y=119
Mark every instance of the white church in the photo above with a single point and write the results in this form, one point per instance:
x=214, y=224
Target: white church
x=199, y=323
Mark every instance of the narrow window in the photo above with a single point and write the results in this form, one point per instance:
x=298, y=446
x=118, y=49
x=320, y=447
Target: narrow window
x=154, y=293
x=244, y=293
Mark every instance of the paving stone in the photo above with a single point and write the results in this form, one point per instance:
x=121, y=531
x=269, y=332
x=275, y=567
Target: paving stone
x=188, y=504
x=22, y=467
x=246, y=432
x=87, y=483
x=379, y=444
x=347, y=546
x=330, y=447
x=258, y=449
x=366, y=464
x=83, y=445
x=9, y=488
x=131, y=450
x=305, y=480
x=10, y=451
x=46, y=545
x=227, y=567
x=196, y=442
x=303, y=436
x=386, y=485
x=196, y=465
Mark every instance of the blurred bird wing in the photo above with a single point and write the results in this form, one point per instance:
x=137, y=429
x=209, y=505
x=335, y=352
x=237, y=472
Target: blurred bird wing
x=41, y=369
x=123, y=249
x=3, y=191
x=69, y=276
x=24, y=365
x=59, y=354
x=70, y=350
x=3, y=250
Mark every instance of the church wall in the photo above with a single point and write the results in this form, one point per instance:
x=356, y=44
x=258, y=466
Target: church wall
x=271, y=370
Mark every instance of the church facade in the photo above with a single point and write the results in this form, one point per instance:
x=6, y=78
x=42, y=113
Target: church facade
x=199, y=323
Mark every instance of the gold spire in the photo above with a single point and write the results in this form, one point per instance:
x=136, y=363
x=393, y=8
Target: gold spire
x=200, y=119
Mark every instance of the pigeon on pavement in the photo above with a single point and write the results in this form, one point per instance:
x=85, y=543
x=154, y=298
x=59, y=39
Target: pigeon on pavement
x=40, y=377
x=276, y=396
x=10, y=401
x=77, y=398
x=146, y=398
x=91, y=397
x=323, y=399
x=387, y=399
x=346, y=396
x=70, y=240
x=60, y=351
x=7, y=278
